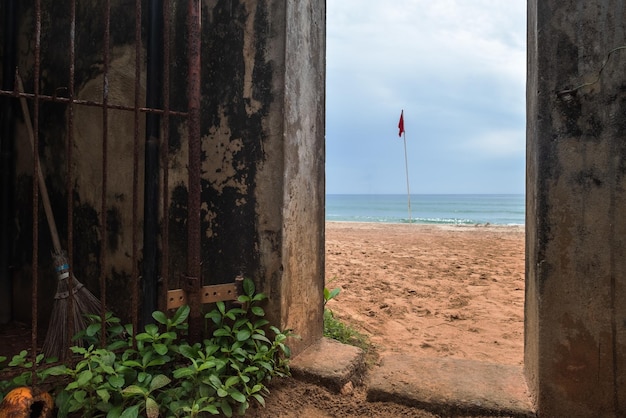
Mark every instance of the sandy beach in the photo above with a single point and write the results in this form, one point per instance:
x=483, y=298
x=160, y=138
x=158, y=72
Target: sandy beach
x=451, y=291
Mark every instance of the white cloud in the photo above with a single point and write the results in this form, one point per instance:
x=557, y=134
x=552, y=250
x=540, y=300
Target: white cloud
x=496, y=144
x=457, y=68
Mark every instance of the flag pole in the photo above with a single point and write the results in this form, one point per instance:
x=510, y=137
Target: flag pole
x=408, y=189
x=402, y=132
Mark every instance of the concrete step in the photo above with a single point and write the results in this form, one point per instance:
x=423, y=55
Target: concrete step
x=450, y=387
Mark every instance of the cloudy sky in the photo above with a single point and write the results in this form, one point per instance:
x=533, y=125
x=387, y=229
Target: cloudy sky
x=456, y=67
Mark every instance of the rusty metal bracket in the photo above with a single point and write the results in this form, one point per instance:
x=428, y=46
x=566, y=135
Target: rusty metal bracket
x=208, y=294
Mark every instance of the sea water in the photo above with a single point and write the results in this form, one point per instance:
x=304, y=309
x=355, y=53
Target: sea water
x=455, y=209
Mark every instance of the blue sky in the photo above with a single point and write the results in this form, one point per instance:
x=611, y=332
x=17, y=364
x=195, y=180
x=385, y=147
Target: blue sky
x=456, y=67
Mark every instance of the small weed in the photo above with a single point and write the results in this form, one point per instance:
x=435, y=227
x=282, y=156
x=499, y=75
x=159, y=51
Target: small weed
x=339, y=331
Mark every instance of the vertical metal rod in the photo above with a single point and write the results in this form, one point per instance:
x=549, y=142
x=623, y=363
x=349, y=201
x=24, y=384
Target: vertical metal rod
x=7, y=158
x=135, y=238
x=195, y=149
x=105, y=141
x=165, y=153
x=36, y=168
x=151, y=180
x=68, y=169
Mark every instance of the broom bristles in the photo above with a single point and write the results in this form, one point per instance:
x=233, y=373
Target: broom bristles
x=84, y=302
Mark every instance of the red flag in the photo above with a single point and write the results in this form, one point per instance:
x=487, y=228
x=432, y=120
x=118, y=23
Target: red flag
x=401, y=124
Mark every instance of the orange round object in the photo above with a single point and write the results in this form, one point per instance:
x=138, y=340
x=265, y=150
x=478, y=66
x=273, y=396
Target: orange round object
x=22, y=403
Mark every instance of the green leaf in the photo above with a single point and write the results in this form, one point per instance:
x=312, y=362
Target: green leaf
x=160, y=317
x=182, y=373
x=84, y=377
x=261, y=337
x=156, y=362
x=221, y=332
x=115, y=412
x=104, y=395
x=259, y=399
x=132, y=412
x=80, y=395
x=215, y=381
x=243, y=335
x=116, y=381
x=244, y=299
x=117, y=345
x=250, y=369
x=152, y=329
x=221, y=393
x=152, y=408
x=226, y=408
x=181, y=315
x=93, y=329
x=132, y=363
x=248, y=287
x=188, y=351
x=231, y=381
x=236, y=395
x=159, y=381
x=221, y=307
x=161, y=349
x=259, y=297
x=211, y=409
x=214, y=316
x=59, y=370
x=257, y=310
x=133, y=390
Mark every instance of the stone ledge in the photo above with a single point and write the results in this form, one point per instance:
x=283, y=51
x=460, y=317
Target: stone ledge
x=451, y=386
x=330, y=364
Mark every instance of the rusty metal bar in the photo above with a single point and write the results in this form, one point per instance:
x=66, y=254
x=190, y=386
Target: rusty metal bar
x=36, y=168
x=195, y=149
x=165, y=126
x=105, y=141
x=135, y=233
x=66, y=100
x=151, y=161
x=7, y=160
x=68, y=165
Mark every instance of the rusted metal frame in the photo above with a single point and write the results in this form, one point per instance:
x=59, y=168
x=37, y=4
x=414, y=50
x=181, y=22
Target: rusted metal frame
x=68, y=167
x=193, y=281
x=7, y=158
x=135, y=233
x=105, y=141
x=165, y=124
x=36, y=168
x=154, y=68
x=66, y=100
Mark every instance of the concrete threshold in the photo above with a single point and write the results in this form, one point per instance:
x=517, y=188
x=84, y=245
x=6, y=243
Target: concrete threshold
x=444, y=386
x=449, y=386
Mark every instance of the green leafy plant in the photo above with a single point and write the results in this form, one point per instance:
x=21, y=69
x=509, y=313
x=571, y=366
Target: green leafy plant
x=157, y=373
x=339, y=331
x=21, y=368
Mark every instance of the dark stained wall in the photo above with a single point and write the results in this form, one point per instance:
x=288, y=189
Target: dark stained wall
x=262, y=129
x=575, y=347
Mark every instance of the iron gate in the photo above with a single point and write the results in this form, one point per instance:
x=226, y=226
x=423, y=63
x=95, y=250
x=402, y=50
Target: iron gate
x=152, y=33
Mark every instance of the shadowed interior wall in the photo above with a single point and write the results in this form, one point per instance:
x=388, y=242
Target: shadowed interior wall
x=575, y=314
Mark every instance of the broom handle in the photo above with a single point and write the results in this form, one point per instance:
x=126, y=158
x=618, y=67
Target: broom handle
x=42, y=183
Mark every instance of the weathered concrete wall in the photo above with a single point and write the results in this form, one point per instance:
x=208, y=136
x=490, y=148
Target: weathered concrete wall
x=575, y=345
x=263, y=78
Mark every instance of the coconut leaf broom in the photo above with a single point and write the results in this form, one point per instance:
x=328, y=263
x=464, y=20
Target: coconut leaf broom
x=61, y=327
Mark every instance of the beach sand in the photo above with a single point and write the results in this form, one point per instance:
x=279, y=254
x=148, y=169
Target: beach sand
x=432, y=291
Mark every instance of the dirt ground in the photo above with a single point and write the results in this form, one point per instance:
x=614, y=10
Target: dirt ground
x=432, y=291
